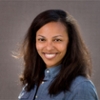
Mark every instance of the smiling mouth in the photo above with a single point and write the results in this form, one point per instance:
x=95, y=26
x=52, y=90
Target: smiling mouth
x=50, y=55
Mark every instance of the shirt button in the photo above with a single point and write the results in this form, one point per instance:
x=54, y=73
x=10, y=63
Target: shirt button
x=47, y=71
x=36, y=96
x=42, y=82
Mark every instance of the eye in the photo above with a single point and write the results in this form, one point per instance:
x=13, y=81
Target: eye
x=57, y=40
x=41, y=39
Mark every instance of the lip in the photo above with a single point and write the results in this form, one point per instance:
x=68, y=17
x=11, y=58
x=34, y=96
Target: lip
x=50, y=55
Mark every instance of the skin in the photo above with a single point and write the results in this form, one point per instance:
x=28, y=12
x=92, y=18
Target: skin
x=51, y=43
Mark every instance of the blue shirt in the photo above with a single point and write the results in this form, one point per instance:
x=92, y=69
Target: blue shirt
x=81, y=89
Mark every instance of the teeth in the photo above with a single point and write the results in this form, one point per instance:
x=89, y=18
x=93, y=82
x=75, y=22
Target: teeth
x=49, y=56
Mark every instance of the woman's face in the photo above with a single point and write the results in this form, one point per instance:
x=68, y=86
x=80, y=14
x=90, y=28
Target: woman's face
x=51, y=43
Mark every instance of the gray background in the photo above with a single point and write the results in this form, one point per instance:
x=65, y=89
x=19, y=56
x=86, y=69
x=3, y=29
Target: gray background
x=15, y=18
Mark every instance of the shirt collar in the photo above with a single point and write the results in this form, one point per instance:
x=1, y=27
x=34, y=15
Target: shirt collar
x=51, y=72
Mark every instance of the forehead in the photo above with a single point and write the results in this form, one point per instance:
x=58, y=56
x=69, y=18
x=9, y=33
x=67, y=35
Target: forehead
x=52, y=28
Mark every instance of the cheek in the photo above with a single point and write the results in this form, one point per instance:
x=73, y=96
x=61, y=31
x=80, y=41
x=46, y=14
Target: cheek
x=62, y=47
x=39, y=46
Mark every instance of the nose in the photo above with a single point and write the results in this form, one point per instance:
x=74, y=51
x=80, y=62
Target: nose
x=49, y=46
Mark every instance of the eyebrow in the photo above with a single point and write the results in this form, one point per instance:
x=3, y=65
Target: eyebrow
x=53, y=37
x=41, y=36
x=58, y=36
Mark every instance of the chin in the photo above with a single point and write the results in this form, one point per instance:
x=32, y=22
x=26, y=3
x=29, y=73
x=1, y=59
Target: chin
x=51, y=65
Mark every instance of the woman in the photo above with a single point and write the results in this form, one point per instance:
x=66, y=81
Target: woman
x=57, y=62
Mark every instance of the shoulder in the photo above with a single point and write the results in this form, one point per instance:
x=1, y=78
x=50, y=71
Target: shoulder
x=83, y=88
x=81, y=81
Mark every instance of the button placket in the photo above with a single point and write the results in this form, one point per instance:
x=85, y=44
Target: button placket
x=47, y=75
x=48, y=71
x=42, y=82
x=36, y=97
